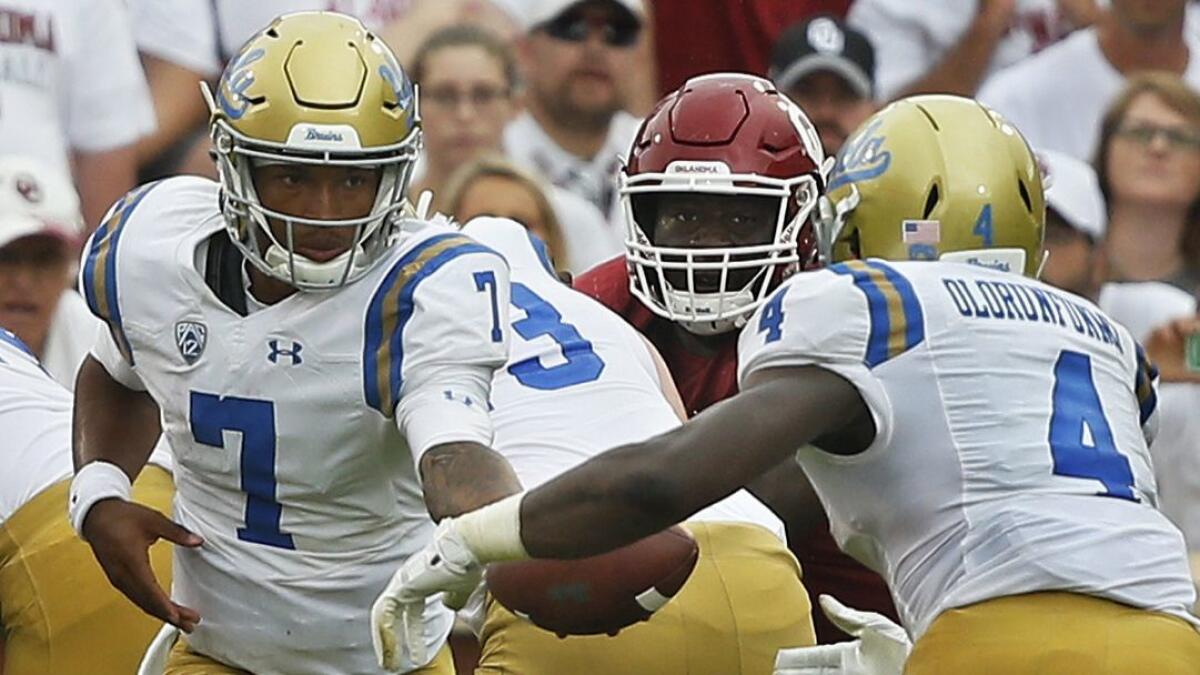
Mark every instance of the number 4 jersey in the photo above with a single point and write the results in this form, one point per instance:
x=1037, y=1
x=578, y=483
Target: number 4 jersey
x=1011, y=447
x=286, y=421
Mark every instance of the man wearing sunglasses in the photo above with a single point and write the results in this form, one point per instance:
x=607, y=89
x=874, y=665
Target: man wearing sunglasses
x=576, y=57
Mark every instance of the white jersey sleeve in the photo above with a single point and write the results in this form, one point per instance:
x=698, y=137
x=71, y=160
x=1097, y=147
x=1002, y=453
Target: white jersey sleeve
x=108, y=101
x=183, y=32
x=437, y=328
x=847, y=319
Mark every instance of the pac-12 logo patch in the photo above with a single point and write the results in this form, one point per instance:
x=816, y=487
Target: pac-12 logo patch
x=190, y=337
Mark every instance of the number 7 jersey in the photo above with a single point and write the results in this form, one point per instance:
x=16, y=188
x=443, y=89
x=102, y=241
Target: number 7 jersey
x=1012, y=422
x=286, y=422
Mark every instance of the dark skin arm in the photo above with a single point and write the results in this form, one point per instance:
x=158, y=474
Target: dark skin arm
x=464, y=476
x=119, y=425
x=638, y=489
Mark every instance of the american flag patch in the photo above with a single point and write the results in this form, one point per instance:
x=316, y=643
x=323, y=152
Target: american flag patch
x=922, y=232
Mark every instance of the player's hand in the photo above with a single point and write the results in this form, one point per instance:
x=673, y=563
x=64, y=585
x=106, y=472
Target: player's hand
x=121, y=534
x=1166, y=349
x=881, y=648
x=444, y=566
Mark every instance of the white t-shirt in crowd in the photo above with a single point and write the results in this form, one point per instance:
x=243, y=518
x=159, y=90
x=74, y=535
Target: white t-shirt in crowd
x=590, y=239
x=69, y=79
x=1142, y=307
x=202, y=35
x=912, y=36
x=593, y=178
x=72, y=334
x=1058, y=98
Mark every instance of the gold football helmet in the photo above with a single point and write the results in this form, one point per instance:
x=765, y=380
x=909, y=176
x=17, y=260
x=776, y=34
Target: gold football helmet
x=936, y=177
x=313, y=88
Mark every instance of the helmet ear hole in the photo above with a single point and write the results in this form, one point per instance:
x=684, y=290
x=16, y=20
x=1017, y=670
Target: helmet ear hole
x=931, y=201
x=1025, y=198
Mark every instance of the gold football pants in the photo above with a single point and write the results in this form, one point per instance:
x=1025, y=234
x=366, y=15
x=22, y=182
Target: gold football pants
x=59, y=612
x=1055, y=634
x=743, y=602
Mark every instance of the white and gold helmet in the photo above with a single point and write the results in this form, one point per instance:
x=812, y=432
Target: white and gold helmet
x=314, y=88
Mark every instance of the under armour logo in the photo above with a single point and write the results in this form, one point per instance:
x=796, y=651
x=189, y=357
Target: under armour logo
x=277, y=351
x=461, y=398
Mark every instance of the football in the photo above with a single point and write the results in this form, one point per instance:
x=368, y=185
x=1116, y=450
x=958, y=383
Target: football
x=600, y=594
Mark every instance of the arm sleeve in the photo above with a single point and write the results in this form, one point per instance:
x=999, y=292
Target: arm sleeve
x=108, y=102
x=436, y=330
x=825, y=320
x=180, y=31
x=105, y=351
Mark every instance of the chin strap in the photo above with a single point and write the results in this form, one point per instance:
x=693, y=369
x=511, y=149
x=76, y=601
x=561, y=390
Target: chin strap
x=309, y=272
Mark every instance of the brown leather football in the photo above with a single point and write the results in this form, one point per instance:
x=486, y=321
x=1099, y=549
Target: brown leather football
x=601, y=594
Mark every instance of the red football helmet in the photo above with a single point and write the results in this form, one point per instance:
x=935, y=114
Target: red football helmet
x=725, y=134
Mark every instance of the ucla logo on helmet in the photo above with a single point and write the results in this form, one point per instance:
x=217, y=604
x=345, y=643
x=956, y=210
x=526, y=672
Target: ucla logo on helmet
x=862, y=158
x=191, y=338
x=231, y=94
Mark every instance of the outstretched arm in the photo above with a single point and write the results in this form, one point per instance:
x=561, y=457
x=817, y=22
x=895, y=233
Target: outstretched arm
x=638, y=489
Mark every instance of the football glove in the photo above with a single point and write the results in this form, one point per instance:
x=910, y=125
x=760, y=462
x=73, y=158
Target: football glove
x=446, y=565
x=882, y=647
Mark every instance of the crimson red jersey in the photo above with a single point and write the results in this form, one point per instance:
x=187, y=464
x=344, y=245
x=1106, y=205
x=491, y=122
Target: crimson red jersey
x=736, y=36
x=703, y=378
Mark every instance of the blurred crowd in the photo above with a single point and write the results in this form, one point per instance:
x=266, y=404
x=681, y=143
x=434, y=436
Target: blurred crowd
x=527, y=105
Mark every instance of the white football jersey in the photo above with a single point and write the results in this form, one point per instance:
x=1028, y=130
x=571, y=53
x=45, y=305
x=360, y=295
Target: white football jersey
x=1010, y=451
x=70, y=79
x=286, y=422
x=35, y=416
x=579, y=379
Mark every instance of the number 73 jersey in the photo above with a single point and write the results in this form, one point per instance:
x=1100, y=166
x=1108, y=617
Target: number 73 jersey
x=293, y=426
x=1012, y=422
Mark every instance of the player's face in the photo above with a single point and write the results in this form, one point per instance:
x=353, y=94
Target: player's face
x=466, y=101
x=699, y=221
x=504, y=198
x=1154, y=157
x=833, y=106
x=33, y=275
x=577, y=66
x=319, y=193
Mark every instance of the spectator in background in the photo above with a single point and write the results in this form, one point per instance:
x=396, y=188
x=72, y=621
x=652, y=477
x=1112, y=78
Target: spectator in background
x=933, y=46
x=828, y=69
x=184, y=42
x=574, y=57
x=40, y=235
x=1149, y=167
x=493, y=186
x=693, y=37
x=1057, y=97
x=467, y=79
x=73, y=93
x=1075, y=222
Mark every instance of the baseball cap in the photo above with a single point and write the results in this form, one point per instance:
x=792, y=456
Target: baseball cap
x=1073, y=192
x=538, y=12
x=37, y=198
x=823, y=43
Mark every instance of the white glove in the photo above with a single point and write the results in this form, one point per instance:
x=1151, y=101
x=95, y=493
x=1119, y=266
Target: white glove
x=154, y=662
x=446, y=565
x=881, y=648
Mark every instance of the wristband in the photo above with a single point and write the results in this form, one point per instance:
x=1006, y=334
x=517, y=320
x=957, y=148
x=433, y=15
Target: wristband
x=493, y=533
x=94, y=482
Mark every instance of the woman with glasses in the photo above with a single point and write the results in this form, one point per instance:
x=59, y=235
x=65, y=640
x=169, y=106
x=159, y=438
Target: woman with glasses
x=1148, y=163
x=468, y=93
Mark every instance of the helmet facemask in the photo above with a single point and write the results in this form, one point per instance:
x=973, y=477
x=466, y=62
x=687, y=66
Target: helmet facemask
x=712, y=290
x=248, y=220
